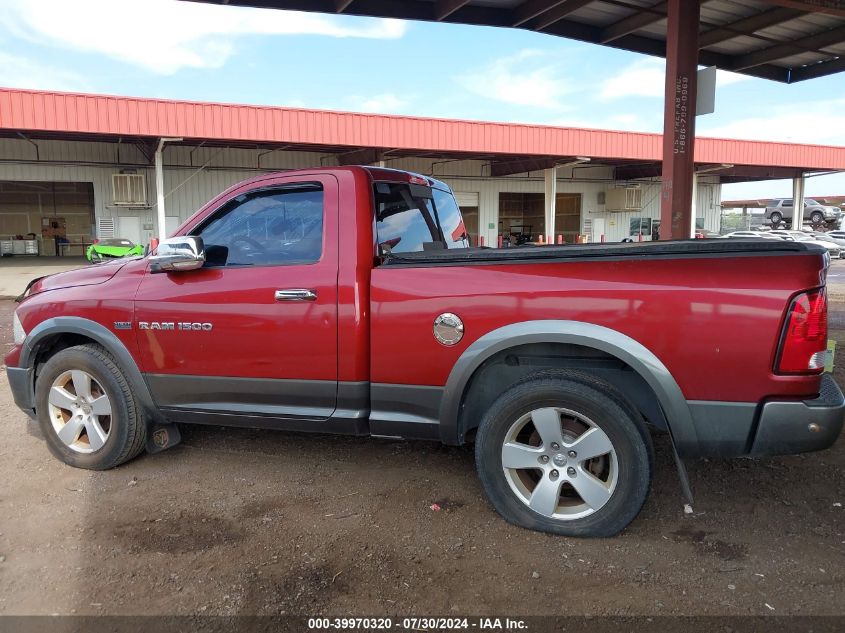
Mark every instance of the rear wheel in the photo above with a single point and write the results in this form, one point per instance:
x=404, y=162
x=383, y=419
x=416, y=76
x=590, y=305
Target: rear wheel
x=563, y=452
x=776, y=219
x=86, y=409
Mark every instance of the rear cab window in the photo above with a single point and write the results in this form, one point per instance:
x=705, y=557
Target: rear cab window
x=412, y=218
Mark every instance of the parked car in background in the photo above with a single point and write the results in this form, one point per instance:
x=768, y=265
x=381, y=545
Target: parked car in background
x=839, y=235
x=833, y=249
x=825, y=237
x=112, y=248
x=780, y=210
x=764, y=234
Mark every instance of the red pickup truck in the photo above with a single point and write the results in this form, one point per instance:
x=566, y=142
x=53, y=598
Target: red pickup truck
x=348, y=300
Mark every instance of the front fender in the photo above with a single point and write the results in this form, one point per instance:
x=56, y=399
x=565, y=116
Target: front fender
x=99, y=333
x=637, y=356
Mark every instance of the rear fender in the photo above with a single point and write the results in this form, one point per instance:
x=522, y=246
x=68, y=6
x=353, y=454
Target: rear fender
x=634, y=354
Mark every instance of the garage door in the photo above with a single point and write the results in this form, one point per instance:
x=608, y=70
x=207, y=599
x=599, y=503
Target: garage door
x=47, y=210
x=466, y=199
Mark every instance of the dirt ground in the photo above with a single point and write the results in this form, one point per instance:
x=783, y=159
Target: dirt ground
x=259, y=522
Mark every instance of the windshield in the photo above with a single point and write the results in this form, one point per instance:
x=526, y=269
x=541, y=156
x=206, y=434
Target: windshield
x=116, y=242
x=411, y=218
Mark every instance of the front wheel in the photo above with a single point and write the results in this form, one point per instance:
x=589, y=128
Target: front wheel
x=563, y=452
x=816, y=217
x=87, y=411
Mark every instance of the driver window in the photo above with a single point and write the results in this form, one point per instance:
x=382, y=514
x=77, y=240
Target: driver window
x=274, y=227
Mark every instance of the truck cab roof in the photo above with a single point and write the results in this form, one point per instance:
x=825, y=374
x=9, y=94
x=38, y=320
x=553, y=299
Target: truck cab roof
x=381, y=174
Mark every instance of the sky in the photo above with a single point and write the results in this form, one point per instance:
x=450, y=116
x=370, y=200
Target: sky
x=183, y=50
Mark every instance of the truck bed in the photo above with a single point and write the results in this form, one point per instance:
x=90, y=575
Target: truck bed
x=579, y=252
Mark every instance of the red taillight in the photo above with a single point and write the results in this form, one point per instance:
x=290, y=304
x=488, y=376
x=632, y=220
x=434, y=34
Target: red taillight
x=95, y=241
x=804, y=345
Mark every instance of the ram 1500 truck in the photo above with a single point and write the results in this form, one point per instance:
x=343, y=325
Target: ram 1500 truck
x=348, y=300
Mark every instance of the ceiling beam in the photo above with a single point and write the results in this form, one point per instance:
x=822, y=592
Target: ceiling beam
x=547, y=19
x=632, y=23
x=831, y=7
x=754, y=171
x=767, y=71
x=341, y=5
x=809, y=43
x=652, y=170
x=634, y=172
x=656, y=47
x=366, y=156
x=747, y=26
x=554, y=22
x=509, y=168
x=818, y=70
x=444, y=8
x=531, y=9
x=147, y=147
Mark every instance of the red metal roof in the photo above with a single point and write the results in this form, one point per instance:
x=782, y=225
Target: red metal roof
x=71, y=113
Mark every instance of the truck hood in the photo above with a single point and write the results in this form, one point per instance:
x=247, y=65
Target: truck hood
x=88, y=276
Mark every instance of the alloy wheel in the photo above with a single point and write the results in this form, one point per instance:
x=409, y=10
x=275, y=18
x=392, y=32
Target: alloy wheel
x=560, y=463
x=80, y=411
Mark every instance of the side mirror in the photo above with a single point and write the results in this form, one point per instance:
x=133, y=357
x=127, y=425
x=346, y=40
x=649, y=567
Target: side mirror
x=177, y=254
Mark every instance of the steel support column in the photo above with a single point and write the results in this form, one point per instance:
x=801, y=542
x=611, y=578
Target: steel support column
x=798, y=202
x=550, y=176
x=679, y=119
x=159, y=173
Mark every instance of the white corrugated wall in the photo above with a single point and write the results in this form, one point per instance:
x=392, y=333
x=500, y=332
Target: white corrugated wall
x=195, y=175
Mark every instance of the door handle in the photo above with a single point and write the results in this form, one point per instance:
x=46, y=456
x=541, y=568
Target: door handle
x=296, y=294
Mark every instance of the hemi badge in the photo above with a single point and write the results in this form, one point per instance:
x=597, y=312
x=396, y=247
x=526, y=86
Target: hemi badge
x=123, y=325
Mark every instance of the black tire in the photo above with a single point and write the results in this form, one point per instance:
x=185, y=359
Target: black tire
x=816, y=217
x=776, y=219
x=598, y=401
x=127, y=432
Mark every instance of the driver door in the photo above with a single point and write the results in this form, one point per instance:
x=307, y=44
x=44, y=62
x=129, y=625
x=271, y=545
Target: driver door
x=252, y=334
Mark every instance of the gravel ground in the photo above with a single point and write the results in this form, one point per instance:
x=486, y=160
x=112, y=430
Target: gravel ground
x=259, y=522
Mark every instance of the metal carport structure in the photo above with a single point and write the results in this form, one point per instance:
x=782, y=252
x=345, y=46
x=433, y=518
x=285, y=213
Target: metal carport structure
x=779, y=40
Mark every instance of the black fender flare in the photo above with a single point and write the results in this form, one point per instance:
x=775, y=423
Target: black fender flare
x=637, y=356
x=98, y=333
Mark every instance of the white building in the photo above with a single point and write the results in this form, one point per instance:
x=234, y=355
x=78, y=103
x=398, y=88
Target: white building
x=84, y=166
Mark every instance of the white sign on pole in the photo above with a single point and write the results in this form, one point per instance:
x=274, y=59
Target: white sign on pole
x=705, y=94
